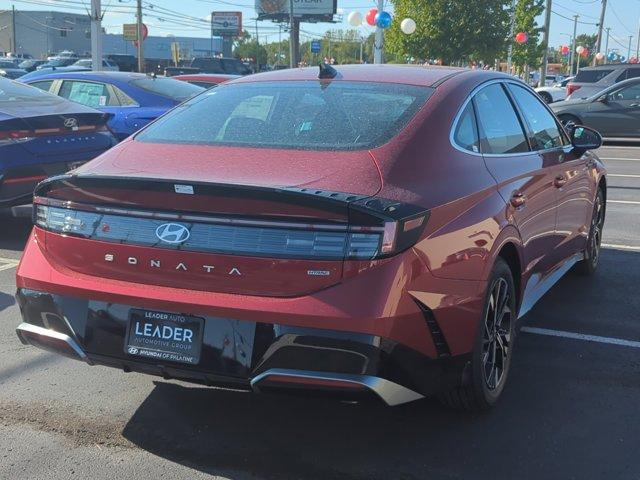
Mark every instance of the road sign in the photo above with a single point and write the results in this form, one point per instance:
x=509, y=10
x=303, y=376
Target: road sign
x=130, y=32
x=226, y=24
x=315, y=46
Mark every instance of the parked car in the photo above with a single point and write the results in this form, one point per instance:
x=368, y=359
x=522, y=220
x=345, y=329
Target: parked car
x=231, y=66
x=9, y=69
x=30, y=65
x=87, y=63
x=57, y=62
x=133, y=99
x=206, y=80
x=554, y=93
x=38, y=73
x=592, y=80
x=125, y=63
x=300, y=230
x=614, y=112
x=64, y=54
x=43, y=135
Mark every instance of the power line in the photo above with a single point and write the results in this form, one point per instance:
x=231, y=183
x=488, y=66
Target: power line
x=569, y=18
x=615, y=14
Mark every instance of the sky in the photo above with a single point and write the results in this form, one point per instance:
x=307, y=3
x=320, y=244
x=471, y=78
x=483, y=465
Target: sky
x=191, y=17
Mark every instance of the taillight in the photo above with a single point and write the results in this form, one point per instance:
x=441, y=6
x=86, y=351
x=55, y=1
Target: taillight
x=572, y=88
x=8, y=137
x=15, y=136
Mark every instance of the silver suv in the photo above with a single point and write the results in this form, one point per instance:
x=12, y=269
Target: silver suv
x=591, y=80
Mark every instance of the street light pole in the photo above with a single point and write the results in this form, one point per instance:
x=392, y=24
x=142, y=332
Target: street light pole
x=379, y=41
x=96, y=35
x=511, y=32
x=139, y=35
x=575, y=42
x=606, y=46
x=629, y=49
x=545, y=44
x=292, y=49
x=600, y=26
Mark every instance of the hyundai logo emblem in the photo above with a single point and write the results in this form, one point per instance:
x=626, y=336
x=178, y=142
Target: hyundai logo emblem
x=71, y=122
x=172, y=233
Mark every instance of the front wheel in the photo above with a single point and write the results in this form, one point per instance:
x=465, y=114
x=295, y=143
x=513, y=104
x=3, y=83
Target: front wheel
x=588, y=265
x=546, y=97
x=493, y=350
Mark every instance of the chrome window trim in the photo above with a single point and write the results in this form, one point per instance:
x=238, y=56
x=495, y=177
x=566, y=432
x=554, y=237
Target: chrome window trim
x=456, y=119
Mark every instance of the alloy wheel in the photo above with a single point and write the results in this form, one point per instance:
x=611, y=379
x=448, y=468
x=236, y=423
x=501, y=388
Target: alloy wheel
x=496, y=342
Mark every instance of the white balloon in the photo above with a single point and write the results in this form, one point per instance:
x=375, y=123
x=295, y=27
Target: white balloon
x=408, y=26
x=599, y=56
x=355, y=19
x=579, y=50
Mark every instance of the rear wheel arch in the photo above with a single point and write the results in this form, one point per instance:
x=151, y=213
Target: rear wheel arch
x=510, y=254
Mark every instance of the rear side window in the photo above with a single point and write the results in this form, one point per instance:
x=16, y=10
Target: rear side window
x=500, y=129
x=91, y=94
x=304, y=115
x=42, y=85
x=168, y=87
x=591, y=76
x=14, y=92
x=629, y=73
x=466, y=133
x=544, y=128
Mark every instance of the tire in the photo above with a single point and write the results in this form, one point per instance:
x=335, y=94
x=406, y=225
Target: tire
x=589, y=264
x=493, y=348
x=546, y=97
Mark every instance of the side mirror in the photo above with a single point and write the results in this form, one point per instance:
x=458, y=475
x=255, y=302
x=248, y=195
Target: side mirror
x=585, y=138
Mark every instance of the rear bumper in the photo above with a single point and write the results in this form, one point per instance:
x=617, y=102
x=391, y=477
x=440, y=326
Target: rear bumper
x=243, y=354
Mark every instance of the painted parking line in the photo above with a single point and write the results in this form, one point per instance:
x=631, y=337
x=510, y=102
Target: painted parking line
x=632, y=248
x=581, y=336
x=625, y=202
x=623, y=175
x=621, y=159
x=8, y=263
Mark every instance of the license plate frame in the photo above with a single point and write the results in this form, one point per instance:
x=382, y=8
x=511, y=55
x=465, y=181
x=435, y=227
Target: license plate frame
x=164, y=336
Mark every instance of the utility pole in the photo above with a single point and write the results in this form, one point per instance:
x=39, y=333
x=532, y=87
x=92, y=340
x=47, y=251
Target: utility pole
x=379, y=41
x=545, y=44
x=511, y=32
x=600, y=26
x=257, y=47
x=606, y=46
x=637, y=42
x=96, y=35
x=141, y=65
x=629, y=49
x=14, y=47
x=292, y=48
x=575, y=43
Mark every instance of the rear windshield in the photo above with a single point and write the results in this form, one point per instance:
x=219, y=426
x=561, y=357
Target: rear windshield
x=305, y=115
x=167, y=87
x=591, y=76
x=13, y=92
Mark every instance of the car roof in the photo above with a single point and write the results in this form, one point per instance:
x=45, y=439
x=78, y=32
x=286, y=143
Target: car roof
x=427, y=76
x=96, y=76
x=203, y=77
x=615, y=66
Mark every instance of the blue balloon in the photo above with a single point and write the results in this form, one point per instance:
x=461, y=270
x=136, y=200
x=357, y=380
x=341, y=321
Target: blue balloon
x=611, y=56
x=383, y=19
x=623, y=59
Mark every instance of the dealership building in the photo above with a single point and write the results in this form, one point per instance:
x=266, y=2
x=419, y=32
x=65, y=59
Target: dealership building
x=42, y=33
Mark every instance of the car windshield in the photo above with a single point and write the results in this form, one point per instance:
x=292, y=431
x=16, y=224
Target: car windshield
x=307, y=115
x=167, y=87
x=12, y=92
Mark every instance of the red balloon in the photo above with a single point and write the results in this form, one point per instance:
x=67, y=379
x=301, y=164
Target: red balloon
x=371, y=17
x=585, y=53
x=521, y=37
x=564, y=49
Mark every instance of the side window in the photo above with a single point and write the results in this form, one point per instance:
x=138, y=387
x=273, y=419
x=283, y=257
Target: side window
x=500, y=129
x=633, y=72
x=91, y=94
x=123, y=99
x=43, y=85
x=628, y=93
x=544, y=128
x=466, y=133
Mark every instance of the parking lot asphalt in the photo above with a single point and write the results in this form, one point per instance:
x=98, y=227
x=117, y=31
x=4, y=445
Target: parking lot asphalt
x=569, y=411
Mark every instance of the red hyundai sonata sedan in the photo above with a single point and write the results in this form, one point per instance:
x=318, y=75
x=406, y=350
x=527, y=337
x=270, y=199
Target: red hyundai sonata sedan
x=368, y=229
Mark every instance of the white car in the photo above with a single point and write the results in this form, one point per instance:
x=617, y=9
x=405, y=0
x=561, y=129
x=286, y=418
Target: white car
x=106, y=66
x=554, y=93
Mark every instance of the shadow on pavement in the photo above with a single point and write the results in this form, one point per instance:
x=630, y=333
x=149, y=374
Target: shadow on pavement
x=14, y=233
x=6, y=300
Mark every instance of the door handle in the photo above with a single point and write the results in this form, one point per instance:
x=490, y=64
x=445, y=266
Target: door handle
x=518, y=199
x=560, y=181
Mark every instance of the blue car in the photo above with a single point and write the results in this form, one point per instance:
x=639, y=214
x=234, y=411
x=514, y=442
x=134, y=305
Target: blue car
x=133, y=99
x=46, y=71
x=43, y=135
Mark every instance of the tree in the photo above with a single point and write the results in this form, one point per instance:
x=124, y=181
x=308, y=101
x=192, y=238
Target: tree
x=528, y=54
x=588, y=42
x=246, y=47
x=450, y=30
